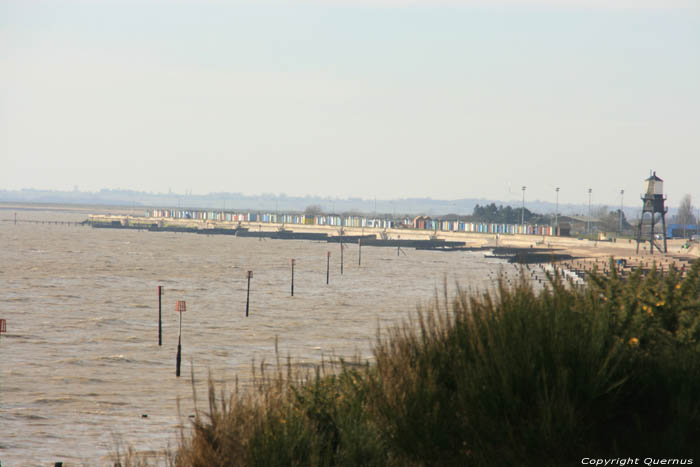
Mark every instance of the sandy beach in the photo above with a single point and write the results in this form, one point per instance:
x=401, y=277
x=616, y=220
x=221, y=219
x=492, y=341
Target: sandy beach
x=598, y=252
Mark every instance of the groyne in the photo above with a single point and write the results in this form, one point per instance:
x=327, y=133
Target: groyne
x=271, y=231
x=379, y=236
x=520, y=248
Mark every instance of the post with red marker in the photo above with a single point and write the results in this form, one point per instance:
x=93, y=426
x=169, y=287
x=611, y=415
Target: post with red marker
x=3, y=326
x=180, y=307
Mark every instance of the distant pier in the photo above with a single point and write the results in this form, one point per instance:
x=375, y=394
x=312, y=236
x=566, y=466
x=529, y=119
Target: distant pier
x=27, y=221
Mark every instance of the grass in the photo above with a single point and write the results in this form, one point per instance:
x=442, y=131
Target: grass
x=513, y=377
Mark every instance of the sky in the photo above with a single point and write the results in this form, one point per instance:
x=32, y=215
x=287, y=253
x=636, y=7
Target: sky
x=381, y=99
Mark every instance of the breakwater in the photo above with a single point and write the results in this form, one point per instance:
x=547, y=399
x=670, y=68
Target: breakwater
x=265, y=229
x=280, y=233
x=324, y=234
x=517, y=248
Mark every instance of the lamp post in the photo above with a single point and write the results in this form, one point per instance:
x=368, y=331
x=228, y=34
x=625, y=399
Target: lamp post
x=522, y=211
x=590, y=190
x=556, y=214
x=622, y=194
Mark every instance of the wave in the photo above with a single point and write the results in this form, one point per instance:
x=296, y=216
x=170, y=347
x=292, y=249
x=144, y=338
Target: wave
x=73, y=361
x=17, y=299
x=102, y=320
x=31, y=416
x=55, y=400
x=115, y=358
x=116, y=403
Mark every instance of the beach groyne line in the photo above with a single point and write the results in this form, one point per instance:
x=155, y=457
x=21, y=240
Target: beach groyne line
x=366, y=240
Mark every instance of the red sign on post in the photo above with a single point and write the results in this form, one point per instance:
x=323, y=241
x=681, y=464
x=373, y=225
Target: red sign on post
x=3, y=325
x=180, y=306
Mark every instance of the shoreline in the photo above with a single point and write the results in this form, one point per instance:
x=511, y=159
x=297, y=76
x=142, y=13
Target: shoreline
x=580, y=249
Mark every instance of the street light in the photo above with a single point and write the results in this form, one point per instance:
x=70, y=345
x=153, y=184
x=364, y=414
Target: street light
x=622, y=193
x=556, y=214
x=590, y=190
x=522, y=211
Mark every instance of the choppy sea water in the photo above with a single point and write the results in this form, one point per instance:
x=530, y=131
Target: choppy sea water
x=80, y=363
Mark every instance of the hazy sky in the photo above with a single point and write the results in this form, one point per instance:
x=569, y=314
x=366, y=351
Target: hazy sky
x=386, y=99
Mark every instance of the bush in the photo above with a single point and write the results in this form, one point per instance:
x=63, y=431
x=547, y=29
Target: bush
x=515, y=377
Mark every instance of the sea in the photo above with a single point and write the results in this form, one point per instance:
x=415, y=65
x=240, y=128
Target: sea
x=82, y=374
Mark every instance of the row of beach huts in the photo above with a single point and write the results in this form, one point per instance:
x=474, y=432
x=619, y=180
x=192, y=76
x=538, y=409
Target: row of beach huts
x=418, y=222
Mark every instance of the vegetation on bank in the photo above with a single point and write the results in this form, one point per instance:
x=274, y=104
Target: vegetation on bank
x=513, y=377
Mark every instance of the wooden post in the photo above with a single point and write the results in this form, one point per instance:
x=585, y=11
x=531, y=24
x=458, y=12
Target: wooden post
x=359, y=257
x=160, y=326
x=247, y=298
x=292, y=277
x=179, y=352
x=342, y=247
x=180, y=307
x=328, y=267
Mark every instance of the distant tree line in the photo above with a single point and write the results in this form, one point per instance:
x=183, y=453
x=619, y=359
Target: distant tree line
x=501, y=214
x=609, y=221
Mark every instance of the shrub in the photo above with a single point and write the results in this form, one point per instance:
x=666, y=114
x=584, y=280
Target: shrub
x=513, y=377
